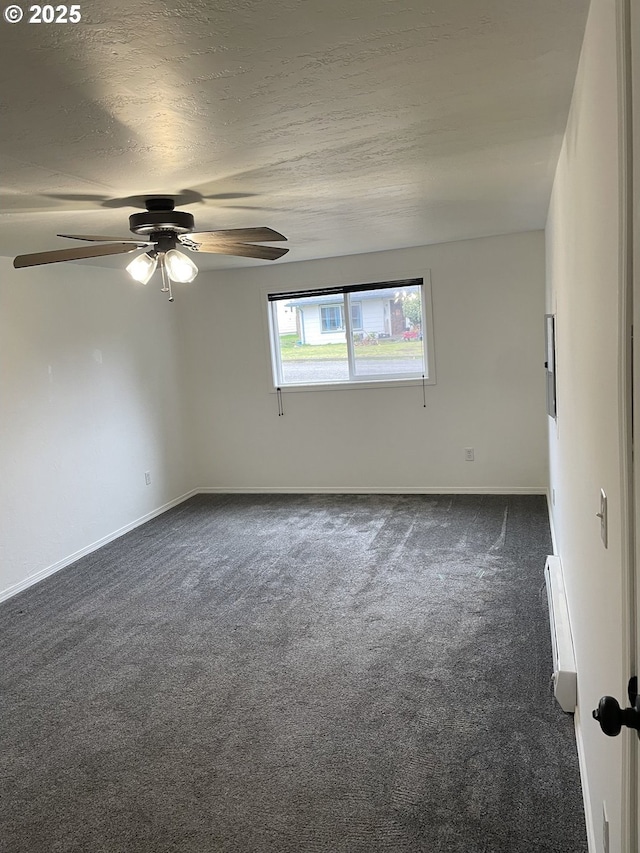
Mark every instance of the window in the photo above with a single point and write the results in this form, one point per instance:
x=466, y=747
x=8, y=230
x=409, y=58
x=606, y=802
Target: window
x=331, y=318
x=376, y=332
x=356, y=315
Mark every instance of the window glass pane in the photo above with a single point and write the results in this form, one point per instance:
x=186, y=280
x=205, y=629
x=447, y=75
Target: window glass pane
x=389, y=342
x=386, y=323
x=317, y=352
x=356, y=315
x=331, y=318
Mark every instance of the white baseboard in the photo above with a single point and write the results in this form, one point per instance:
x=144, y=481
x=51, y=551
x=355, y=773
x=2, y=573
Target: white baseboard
x=61, y=564
x=564, y=677
x=582, y=764
x=374, y=490
x=552, y=526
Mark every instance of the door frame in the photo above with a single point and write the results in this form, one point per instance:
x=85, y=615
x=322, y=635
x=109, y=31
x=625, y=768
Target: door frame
x=628, y=41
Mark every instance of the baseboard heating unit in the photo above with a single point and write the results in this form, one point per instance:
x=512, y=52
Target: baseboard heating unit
x=564, y=662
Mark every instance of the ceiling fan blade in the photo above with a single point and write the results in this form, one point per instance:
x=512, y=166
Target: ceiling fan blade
x=97, y=239
x=242, y=250
x=102, y=200
x=71, y=254
x=77, y=197
x=237, y=235
x=225, y=196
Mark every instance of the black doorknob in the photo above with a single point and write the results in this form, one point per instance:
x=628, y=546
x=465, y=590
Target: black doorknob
x=612, y=717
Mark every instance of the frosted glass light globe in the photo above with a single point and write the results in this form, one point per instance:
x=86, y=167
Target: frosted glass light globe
x=179, y=267
x=142, y=268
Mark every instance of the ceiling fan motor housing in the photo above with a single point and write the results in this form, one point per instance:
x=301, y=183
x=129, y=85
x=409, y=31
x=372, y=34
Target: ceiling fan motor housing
x=160, y=216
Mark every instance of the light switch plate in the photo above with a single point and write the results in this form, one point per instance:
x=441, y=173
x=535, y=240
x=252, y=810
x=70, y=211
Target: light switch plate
x=602, y=515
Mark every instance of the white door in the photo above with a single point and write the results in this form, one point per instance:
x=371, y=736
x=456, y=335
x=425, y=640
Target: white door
x=629, y=295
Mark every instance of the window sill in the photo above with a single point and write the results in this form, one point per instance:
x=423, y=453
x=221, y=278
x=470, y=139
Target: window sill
x=376, y=384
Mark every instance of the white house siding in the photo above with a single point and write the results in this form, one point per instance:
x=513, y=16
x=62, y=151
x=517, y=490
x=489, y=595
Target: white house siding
x=286, y=319
x=312, y=328
x=373, y=316
x=372, y=321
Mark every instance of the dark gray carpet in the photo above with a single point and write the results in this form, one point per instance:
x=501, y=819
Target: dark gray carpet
x=333, y=674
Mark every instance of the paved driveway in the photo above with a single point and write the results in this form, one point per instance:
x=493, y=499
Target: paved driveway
x=336, y=371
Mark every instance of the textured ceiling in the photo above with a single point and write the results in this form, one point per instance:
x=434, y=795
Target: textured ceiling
x=349, y=125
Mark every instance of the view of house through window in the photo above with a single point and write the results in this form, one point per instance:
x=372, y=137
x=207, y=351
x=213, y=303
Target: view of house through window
x=371, y=332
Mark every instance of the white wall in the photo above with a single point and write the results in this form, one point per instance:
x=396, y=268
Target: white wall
x=583, y=238
x=90, y=394
x=488, y=301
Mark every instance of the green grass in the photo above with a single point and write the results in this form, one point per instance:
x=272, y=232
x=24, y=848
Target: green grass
x=385, y=348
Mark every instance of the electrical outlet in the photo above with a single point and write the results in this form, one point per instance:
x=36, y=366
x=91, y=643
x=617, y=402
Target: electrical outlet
x=468, y=454
x=147, y=477
x=605, y=829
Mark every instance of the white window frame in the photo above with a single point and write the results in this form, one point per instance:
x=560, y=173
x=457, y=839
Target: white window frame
x=354, y=381
x=360, y=327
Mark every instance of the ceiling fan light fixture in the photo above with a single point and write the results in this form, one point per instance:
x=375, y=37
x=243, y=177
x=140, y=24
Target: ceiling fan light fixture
x=142, y=267
x=161, y=229
x=179, y=267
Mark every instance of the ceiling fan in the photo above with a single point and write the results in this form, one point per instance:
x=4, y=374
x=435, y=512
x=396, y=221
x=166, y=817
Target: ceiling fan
x=162, y=231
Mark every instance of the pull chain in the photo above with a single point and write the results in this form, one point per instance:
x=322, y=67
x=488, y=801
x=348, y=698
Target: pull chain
x=280, y=404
